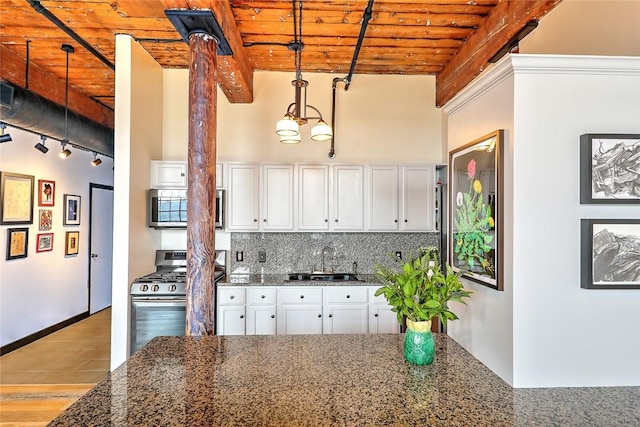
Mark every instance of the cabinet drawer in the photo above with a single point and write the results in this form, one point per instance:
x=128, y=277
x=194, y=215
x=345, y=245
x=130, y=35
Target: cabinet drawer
x=345, y=294
x=261, y=296
x=231, y=296
x=300, y=295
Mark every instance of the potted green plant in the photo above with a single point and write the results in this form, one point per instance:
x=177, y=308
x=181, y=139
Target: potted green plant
x=420, y=291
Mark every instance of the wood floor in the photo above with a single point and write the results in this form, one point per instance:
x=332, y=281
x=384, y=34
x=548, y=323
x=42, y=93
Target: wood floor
x=40, y=380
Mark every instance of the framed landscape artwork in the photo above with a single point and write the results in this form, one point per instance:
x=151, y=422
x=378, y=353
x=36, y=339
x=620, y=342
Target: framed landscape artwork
x=17, y=243
x=16, y=198
x=72, y=239
x=46, y=192
x=71, y=209
x=475, y=209
x=610, y=254
x=44, y=242
x=609, y=168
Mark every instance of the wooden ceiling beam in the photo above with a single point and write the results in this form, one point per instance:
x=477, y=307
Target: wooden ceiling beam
x=504, y=22
x=235, y=73
x=48, y=86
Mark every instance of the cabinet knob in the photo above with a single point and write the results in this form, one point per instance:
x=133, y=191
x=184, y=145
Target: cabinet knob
x=264, y=220
x=262, y=296
x=336, y=220
x=319, y=315
x=182, y=174
x=232, y=297
x=331, y=315
x=273, y=316
x=406, y=220
x=255, y=220
x=242, y=316
x=395, y=220
x=348, y=296
x=375, y=315
x=326, y=220
x=301, y=296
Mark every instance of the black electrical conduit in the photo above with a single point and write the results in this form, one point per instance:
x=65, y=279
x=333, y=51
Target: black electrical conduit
x=58, y=23
x=347, y=80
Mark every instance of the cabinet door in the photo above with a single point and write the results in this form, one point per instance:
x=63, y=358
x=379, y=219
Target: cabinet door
x=168, y=174
x=418, y=194
x=231, y=320
x=383, y=198
x=313, y=197
x=382, y=320
x=219, y=175
x=277, y=197
x=243, y=197
x=348, y=198
x=261, y=320
x=295, y=319
x=345, y=319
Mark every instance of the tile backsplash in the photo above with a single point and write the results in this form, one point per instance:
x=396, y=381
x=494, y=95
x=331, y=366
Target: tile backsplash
x=302, y=252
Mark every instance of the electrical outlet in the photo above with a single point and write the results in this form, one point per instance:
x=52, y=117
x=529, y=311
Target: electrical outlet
x=262, y=256
x=399, y=254
x=239, y=256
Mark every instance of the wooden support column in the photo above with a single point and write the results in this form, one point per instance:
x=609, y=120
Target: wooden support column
x=201, y=192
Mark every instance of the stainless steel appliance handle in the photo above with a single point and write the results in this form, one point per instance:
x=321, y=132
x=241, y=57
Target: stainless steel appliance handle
x=165, y=302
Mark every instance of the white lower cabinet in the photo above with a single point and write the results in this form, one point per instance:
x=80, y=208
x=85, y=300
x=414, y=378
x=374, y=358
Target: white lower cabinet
x=381, y=319
x=261, y=311
x=345, y=310
x=269, y=310
x=299, y=310
x=230, y=318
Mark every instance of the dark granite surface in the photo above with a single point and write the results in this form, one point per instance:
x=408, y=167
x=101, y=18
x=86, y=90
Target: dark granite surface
x=327, y=380
x=281, y=280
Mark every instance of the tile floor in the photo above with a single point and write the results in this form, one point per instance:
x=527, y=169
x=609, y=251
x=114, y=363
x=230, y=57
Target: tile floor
x=77, y=354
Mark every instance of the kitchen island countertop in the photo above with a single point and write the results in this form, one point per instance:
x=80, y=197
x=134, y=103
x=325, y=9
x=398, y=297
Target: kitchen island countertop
x=325, y=380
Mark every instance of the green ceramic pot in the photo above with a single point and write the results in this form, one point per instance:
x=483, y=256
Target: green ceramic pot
x=419, y=345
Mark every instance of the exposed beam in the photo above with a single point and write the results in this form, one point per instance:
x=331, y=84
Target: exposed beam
x=505, y=21
x=235, y=73
x=48, y=86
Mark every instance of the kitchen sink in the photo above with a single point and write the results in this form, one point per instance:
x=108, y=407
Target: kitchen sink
x=323, y=277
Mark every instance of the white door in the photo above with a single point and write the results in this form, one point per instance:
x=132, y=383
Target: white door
x=101, y=247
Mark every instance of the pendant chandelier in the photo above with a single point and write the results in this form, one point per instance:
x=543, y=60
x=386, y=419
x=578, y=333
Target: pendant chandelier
x=289, y=126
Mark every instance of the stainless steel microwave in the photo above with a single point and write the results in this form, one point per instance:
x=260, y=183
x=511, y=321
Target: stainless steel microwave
x=167, y=208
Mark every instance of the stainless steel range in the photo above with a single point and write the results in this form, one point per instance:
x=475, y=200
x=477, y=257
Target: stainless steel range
x=158, y=300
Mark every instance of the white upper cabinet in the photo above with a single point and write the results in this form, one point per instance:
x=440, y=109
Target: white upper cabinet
x=418, y=193
x=348, y=198
x=383, y=199
x=168, y=174
x=243, y=198
x=277, y=197
x=173, y=173
x=313, y=197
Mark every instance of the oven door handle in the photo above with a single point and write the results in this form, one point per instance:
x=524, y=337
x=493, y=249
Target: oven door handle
x=166, y=302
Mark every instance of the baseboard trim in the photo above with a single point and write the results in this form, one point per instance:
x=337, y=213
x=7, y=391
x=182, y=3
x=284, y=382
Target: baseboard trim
x=41, y=334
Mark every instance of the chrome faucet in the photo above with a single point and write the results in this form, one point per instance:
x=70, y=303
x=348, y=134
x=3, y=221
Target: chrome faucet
x=333, y=254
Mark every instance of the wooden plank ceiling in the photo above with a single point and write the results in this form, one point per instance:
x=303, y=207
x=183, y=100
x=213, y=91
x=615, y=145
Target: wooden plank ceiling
x=451, y=39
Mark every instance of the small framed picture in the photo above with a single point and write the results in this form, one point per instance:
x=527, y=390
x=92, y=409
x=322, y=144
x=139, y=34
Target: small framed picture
x=71, y=209
x=17, y=243
x=45, y=219
x=609, y=171
x=610, y=254
x=44, y=242
x=72, y=239
x=46, y=192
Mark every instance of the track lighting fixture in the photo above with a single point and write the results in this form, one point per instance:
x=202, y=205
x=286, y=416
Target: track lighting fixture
x=40, y=146
x=96, y=161
x=65, y=152
x=4, y=137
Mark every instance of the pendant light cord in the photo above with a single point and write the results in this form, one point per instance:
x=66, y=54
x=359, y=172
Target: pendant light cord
x=297, y=36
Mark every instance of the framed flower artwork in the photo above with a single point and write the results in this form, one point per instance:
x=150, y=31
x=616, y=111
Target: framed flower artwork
x=475, y=209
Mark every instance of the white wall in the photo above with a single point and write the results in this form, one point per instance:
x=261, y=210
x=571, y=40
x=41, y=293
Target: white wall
x=587, y=27
x=485, y=325
x=380, y=119
x=553, y=107
x=47, y=288
x=561, y=334
x=138, y=139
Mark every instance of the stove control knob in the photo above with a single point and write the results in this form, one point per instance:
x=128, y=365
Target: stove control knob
x=144, y=288
x=172, y=288
x=155, y=288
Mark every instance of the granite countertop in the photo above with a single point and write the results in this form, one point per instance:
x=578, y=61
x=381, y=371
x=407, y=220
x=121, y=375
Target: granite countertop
x=245, y=279
x=326, y=380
